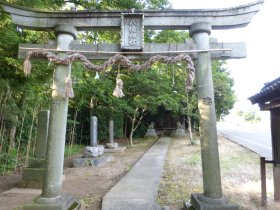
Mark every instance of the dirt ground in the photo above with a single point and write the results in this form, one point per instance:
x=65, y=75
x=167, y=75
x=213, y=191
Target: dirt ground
x=88, y=184
x=182, y=176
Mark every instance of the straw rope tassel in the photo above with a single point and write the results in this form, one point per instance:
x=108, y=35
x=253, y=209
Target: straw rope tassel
x=119, y=86
x=27, y=66
x=69, y=92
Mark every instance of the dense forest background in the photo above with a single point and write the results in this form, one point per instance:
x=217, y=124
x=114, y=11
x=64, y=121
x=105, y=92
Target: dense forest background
x=147, y=93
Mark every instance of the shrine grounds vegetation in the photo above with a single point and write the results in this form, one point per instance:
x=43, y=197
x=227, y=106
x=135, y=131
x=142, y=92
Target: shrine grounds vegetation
x=239, y=171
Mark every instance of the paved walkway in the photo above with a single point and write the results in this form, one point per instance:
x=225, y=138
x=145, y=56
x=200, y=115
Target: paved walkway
x=138, y=189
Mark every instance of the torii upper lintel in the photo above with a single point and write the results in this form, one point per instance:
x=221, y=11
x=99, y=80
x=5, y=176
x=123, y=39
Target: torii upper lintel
x=175, y=19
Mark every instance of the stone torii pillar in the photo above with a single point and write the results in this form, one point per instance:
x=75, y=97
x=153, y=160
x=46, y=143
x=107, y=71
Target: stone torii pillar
x=52, y=196
x=208, y=131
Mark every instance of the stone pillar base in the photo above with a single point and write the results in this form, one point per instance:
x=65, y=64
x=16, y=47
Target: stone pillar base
x=64, y=202
x=201, y=202
x=118, y=150
x=92, y=162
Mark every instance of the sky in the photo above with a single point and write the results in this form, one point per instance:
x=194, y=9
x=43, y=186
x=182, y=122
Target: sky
x=262, y=38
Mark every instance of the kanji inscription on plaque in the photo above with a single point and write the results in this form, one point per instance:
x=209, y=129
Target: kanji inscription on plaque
x=132, y=31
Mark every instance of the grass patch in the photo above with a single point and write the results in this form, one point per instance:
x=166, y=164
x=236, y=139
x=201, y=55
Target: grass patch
x=239, y=171
x=73, y=149
x=180, y=177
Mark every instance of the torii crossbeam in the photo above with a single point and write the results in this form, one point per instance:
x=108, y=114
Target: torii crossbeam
x=199, y=22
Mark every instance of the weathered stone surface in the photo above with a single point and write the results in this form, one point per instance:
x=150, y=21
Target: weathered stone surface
x=237, y=50
x=132, y=31
x=112, y=145
x=37, y=163
x=119, y=149
x=30, y=184
x=180, y=133
x=93, y=131
x=91, y=162
x=151, y=132
x=63, y=202
x=90, y=152
x=33, y=174
x=111, y=131
x=200, y=202
x=208, y=131
x=52, y=196
x=42, y=133
x=226, y=18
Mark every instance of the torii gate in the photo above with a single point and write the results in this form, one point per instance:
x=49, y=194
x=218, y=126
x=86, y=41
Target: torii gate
x=199, y=23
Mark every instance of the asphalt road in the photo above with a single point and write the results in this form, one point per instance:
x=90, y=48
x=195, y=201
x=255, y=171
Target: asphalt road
x=255, y=138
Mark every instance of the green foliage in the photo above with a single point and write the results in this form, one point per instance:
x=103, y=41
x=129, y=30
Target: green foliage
x=38, y=4
x=74, y=149
x=171, y=36
x=124, y=4
x=7, y=162
x=223, y=86
x=249, y=116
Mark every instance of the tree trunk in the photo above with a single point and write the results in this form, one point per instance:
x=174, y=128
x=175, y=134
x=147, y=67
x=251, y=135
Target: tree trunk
x=190, y=130
x=125, y=128
x=130, y=137
x=135, y=123
x=12, y=135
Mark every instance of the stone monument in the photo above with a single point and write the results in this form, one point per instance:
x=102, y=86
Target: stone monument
x=151, y=132
x=32, y=176
x=94, y=149
x=93, y=154
x=112, y=146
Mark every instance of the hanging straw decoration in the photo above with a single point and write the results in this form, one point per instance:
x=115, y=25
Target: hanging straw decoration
x=91, y=105
x=69, y=93
x=96, y=76
x=119, y=87
x=27, y=66
x=117, y=59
